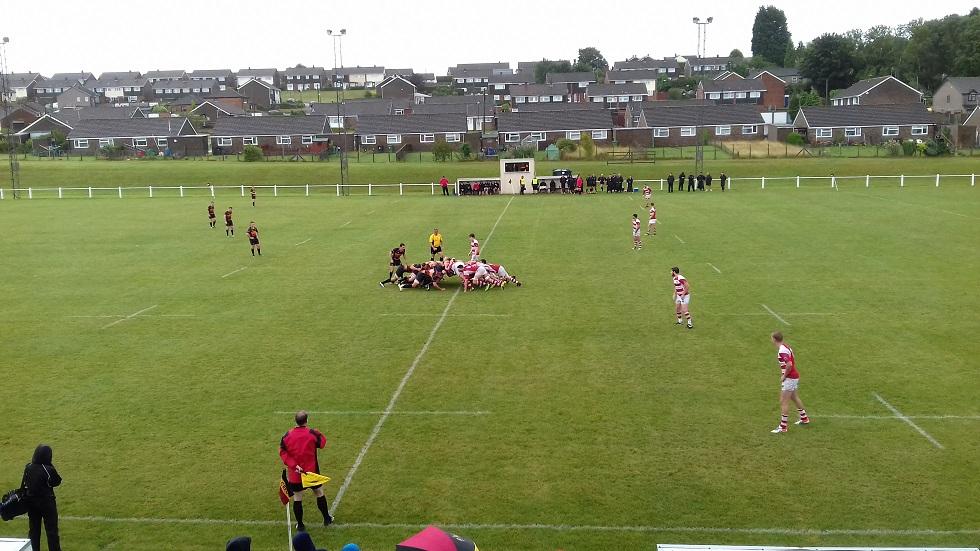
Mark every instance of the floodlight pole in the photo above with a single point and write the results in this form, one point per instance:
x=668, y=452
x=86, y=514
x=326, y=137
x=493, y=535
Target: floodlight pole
x=338, y=86
x=702, y=48
x=9, y=137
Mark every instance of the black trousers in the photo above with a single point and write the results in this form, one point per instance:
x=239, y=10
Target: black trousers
x=690, y=185
x=445, y=190
x=43, y=509
x=670, y=187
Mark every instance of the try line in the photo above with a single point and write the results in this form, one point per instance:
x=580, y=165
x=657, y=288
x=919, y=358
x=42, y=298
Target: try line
x=401, y=385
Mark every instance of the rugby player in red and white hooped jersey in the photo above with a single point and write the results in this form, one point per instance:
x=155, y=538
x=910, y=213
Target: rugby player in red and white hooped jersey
x=652, y=224
x=789, y=384
x=682, y=296
x=501, y=272
x=474, y=248
x=637, y=244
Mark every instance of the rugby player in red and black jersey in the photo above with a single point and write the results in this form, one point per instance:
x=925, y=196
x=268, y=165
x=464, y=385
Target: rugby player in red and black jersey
x=253, y=238
x=229, y=224
x=212, y=219
x=394, y=264
x=297, y=449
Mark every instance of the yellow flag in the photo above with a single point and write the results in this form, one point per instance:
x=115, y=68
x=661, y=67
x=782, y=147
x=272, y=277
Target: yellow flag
x=314, y=479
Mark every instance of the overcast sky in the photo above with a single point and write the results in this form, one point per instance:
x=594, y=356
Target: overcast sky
x=427, y=36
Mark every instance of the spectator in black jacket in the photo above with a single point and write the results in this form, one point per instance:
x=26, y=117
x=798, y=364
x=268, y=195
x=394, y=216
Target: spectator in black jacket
x=700, y=182
x=690, y=182
x=680, y=181
x=670, y=183
x=40, y=478
x=724, y=180
x=707, y=181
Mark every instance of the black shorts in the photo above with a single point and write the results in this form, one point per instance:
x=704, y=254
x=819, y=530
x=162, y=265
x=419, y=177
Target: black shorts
x=297, y=487
x=395, y=263
x=435, y=250
x=253, y=241
x=229, y=223
x=211, y=217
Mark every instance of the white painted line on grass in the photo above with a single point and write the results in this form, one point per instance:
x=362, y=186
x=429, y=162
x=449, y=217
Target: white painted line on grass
x=775, y=315
x=908, y=421
x=307, y=240
x=370, y=213
x=233, y=272
x=129, y=317
x=365, y=412
x=715, y=268
x=555, y=527
x=345, y=224
x=679, y=239
x=892, y=417
x=450, y=315
x=788, y=314
x=401, y=385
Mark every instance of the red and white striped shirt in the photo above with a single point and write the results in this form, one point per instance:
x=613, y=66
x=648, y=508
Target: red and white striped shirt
x=474, y=246
x=680, y=285
x=636, y=224
x=653, y=213
x=787, y=361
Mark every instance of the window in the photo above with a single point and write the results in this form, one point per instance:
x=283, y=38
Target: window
x=452, y=137
x=250, y=140
x=972, y=98
x=596, y=99
x=369, y=139
x=307, y=140
x=545, y=99
x=105, y=142
x=161, y=142
x=428, y=138
x=532, y=99
x=519, y=99
x=661, y=132
x=889, y=131
x=687, y=131
x=852, y=132
x=714, y=95
x=512, y=137
x=857, y=101
x=393, y=138
x=224, y=142
x=538, y=136
x=498, y=86
x=81, y=144
x=139, y=142
x=624, y=99
x=399, y=111
x=739, y=95
x=723, y=130
x=750, y=129
x=825, y=133
x=920, y=130
x=284, y=140
x=573, y=135
x=728, y=95
x=755, y=95
x=598, y=134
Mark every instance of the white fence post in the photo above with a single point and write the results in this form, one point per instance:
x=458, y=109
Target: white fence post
x=901, y=181
x=433, y=188
x=661, y=184
x=763, y=182
x=973, y=180
x=151, y=192
x=401, y=188
x=181, y=191
x=212, y=191
x=338, y=190
x=120, y=192
x=243, y=191
x=1, y=194
x=833, y=182
x=867, y=180
x=90, y=192
x=797, y=182
x=275, y=190
x=59, y=193
x=307, y=190
x=369, y=189
x=937, y=180
x=30, y=193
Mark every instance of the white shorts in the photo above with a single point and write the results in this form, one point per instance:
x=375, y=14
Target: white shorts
x=686, y=299
x=652, y=222
x=481, y=273
x=474, y=257
x=636, y=233
x=790, y=385
x=646, y=195
x=502, y=272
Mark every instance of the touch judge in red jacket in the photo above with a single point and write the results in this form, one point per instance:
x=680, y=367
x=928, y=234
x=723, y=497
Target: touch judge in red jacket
x=298, y=449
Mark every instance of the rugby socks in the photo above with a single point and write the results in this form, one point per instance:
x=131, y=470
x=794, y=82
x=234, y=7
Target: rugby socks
x=679, y=320
x=298, y=512
x=690, y=322
x=227, y=234
x=783, y=422
x=253, y=252
x=803, y=416
x=260, y=251
x=321, y=503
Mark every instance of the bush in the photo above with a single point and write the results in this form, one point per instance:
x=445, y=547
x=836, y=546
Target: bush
x=252, y=153
x=442, y=151
x=894, y=149
x=908, y=148
x=796, y=139
x=465, y=151
x=524, y=152
x=566, y=146
x=587, y=145
x=935, y=148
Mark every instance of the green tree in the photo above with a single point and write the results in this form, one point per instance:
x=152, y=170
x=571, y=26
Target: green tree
x=736, y=54
x=590, y=59
x=546, y=66
x=794, y=55
x=881, y=52
x=802, y=99
x=830, y=62
x=252, y=153
x=587, y=145
x=770, y=35
x=442, y=151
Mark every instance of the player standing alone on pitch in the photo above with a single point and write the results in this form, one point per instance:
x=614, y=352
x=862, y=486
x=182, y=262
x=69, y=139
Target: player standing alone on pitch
x=253, y=238
x=252, y=191
x=647, y=192
x=212, y=220
x=435, y=245
x=682, y=296
x=474, y=248
x=229, y=224
x=637, y=244
x=395, y=264
x=298, y=449
x=789, y=383
x=652, y=224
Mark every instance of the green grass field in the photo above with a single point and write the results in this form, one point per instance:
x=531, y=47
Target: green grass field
x=595, y=422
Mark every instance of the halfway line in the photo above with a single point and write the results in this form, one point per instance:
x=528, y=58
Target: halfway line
x=234, y=272
x=558, y=527
x=401, y=385
x=714, y=267
x=775, y=315
x=901, y=416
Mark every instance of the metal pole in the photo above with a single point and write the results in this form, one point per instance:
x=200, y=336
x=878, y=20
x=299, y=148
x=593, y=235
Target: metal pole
x=8, y=131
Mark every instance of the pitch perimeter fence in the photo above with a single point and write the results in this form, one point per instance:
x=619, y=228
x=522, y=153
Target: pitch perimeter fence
x=432, y=188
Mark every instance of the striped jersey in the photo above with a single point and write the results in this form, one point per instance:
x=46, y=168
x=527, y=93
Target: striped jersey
x=636, y=224
x=787, y=361
x=680, y=282
x=653, y=213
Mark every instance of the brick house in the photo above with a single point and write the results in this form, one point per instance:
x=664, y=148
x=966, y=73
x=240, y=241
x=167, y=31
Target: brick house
x=89, y=136
x=500, y=85
x=168, y=90
x=276, y=135
x=44, y=125
x=957, y=95
x=646, y=77
x=77, y=96
x=865, y=124
x=616, y=95
x=542, y=128
x=577, y=83
x=225, y=77
x=23, y=86
x=302, y=77
x=20, y=115
x=878, y=91
x=272, y=77
x=122, y=87
x=678, y=125
x=47, y=92
x=412, y=132
x=396, y=86
x=259, y=94
x=766, y=92
x=538, y=93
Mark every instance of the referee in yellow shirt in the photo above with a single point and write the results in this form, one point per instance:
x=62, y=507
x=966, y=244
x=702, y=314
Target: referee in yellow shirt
x=435, y=245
